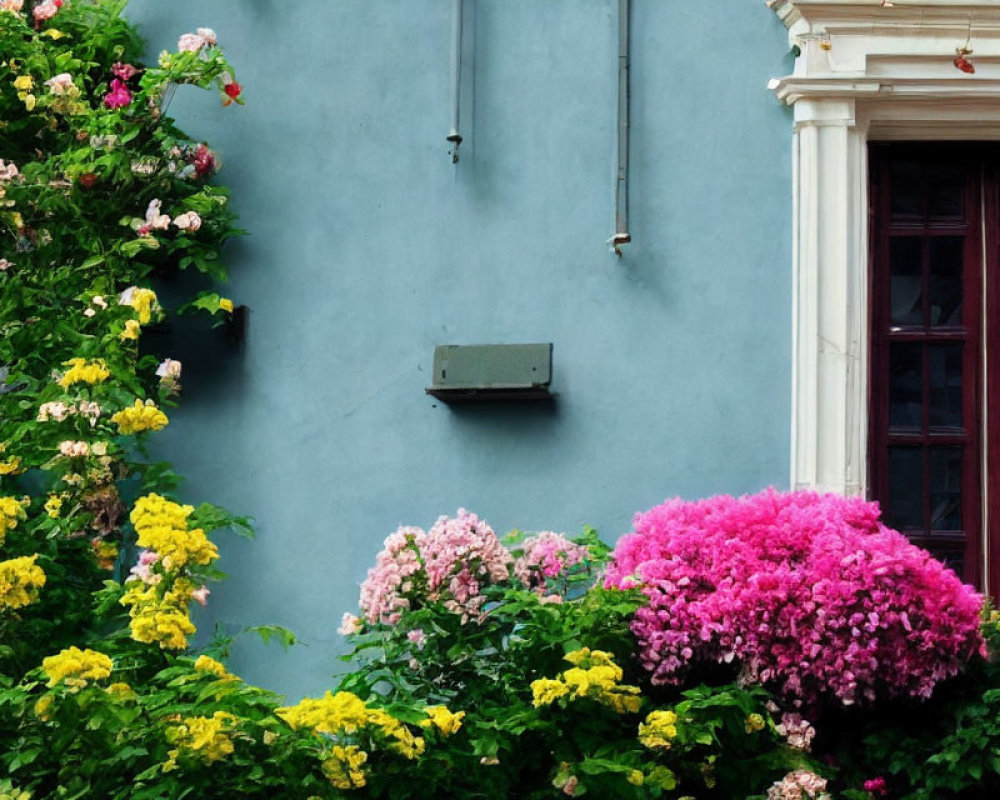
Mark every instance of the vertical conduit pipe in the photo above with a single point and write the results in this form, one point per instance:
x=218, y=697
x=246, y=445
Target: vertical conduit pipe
x=621, y=235
x=456, y=78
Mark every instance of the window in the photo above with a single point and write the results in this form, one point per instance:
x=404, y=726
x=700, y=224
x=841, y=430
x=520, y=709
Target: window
x=868, y=73
x=927, y=413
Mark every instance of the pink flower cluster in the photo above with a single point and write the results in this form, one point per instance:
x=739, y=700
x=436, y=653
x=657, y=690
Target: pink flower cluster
x=546, y=555
x=451, y=563
x=809, y=592
x=798, y=785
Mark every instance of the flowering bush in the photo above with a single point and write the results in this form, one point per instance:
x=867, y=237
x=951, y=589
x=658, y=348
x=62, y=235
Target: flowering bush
x=806, y=592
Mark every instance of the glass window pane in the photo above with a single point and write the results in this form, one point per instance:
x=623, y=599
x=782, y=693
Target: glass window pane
x=946, y=488
x=905, y=188
x=946, y=254
x=945, y=365
x=945, y=183
x=905, y=489
x=905, y=386
x=906, y=280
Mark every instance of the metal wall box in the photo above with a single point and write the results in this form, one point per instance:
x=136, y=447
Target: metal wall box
x=464, y=373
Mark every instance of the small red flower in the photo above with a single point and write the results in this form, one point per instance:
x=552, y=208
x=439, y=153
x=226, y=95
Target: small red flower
x=962, y=62
x=233, y=89
x=88, y=180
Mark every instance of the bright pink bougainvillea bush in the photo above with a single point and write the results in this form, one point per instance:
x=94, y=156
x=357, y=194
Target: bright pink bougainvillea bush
x=807, y=592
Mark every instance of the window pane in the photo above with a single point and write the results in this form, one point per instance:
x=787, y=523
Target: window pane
x=944, y=190
x=946, y=254
x=906, y=276
x=945, y=364
x=904, y=188
x=905, y=488
x=946, y=488
x=905, y=386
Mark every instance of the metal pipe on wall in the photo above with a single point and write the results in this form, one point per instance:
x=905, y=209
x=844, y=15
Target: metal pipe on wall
x=621, y=235
x=456, y=78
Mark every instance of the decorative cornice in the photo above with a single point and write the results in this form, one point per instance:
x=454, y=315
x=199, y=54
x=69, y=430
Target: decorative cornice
x=862, y=49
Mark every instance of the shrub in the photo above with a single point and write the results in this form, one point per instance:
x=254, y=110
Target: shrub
x=807, y=592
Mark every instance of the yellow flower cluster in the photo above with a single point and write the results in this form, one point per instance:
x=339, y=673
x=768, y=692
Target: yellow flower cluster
x=75, y=667
x=658, y=730
x=161, y=620
x=343, y=768
x=20, y=580
x=345, y=712
x=83, y=371
x=442, y=719
x=143, y=301
x=131, y=332
x=11, y=512
x=53, y=506
x=205, y=738
x=594, y=675
x=161, y=525
x=24, y=84
x=140, y=417
x=210, y=665
x=11, y=466
x=159, y=610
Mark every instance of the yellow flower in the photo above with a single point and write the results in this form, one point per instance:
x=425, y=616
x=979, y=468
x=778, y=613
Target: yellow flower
x=206, y=664
x=161, y=525
x=83, y=371
x=53, y=506
x=121, y=691
x=343, y=767
x=635, y=777
x=205, y=738
x=29, y=101
x=755, y=722
x=55, y=34
x=20, y=580
x=23, y=82
x=10, y=466
x=658, y=729
x=74, y=667
x=226, y=304
x=43, y=708
x=140, y=417
x=132, y=330
x=143, y=301
x=545, y=691
x=345, y=712
x=442, y=719
x=11, y=511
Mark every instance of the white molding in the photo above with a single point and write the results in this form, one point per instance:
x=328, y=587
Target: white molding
x=864, y=73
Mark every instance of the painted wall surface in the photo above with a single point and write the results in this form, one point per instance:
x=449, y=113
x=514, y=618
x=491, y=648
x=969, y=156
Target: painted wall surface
x=368, y=247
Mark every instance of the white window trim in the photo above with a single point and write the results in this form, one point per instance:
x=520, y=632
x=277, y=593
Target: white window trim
x=865, y=73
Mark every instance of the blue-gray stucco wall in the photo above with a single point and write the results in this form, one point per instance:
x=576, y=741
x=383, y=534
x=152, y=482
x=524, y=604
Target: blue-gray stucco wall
x=367, y=248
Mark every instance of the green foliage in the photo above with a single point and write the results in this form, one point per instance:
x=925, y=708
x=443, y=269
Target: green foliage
x=511, y=745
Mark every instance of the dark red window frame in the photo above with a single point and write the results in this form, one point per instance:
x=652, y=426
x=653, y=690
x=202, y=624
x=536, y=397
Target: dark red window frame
x=902, y=347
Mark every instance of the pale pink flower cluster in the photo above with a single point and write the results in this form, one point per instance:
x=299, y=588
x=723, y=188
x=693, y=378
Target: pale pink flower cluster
x=59, y=411
x=188, y=221
x=74, y=449
x=5, y=264
x=155, y=221
x=546, y=555
x=450, y=564
x=798, y=732
x=61, y=84
x=143, y=569
x=47, y=9
x=8, y=171
x=11, y=5
x=799, y=785
x=193, y=42
x=809, y=592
